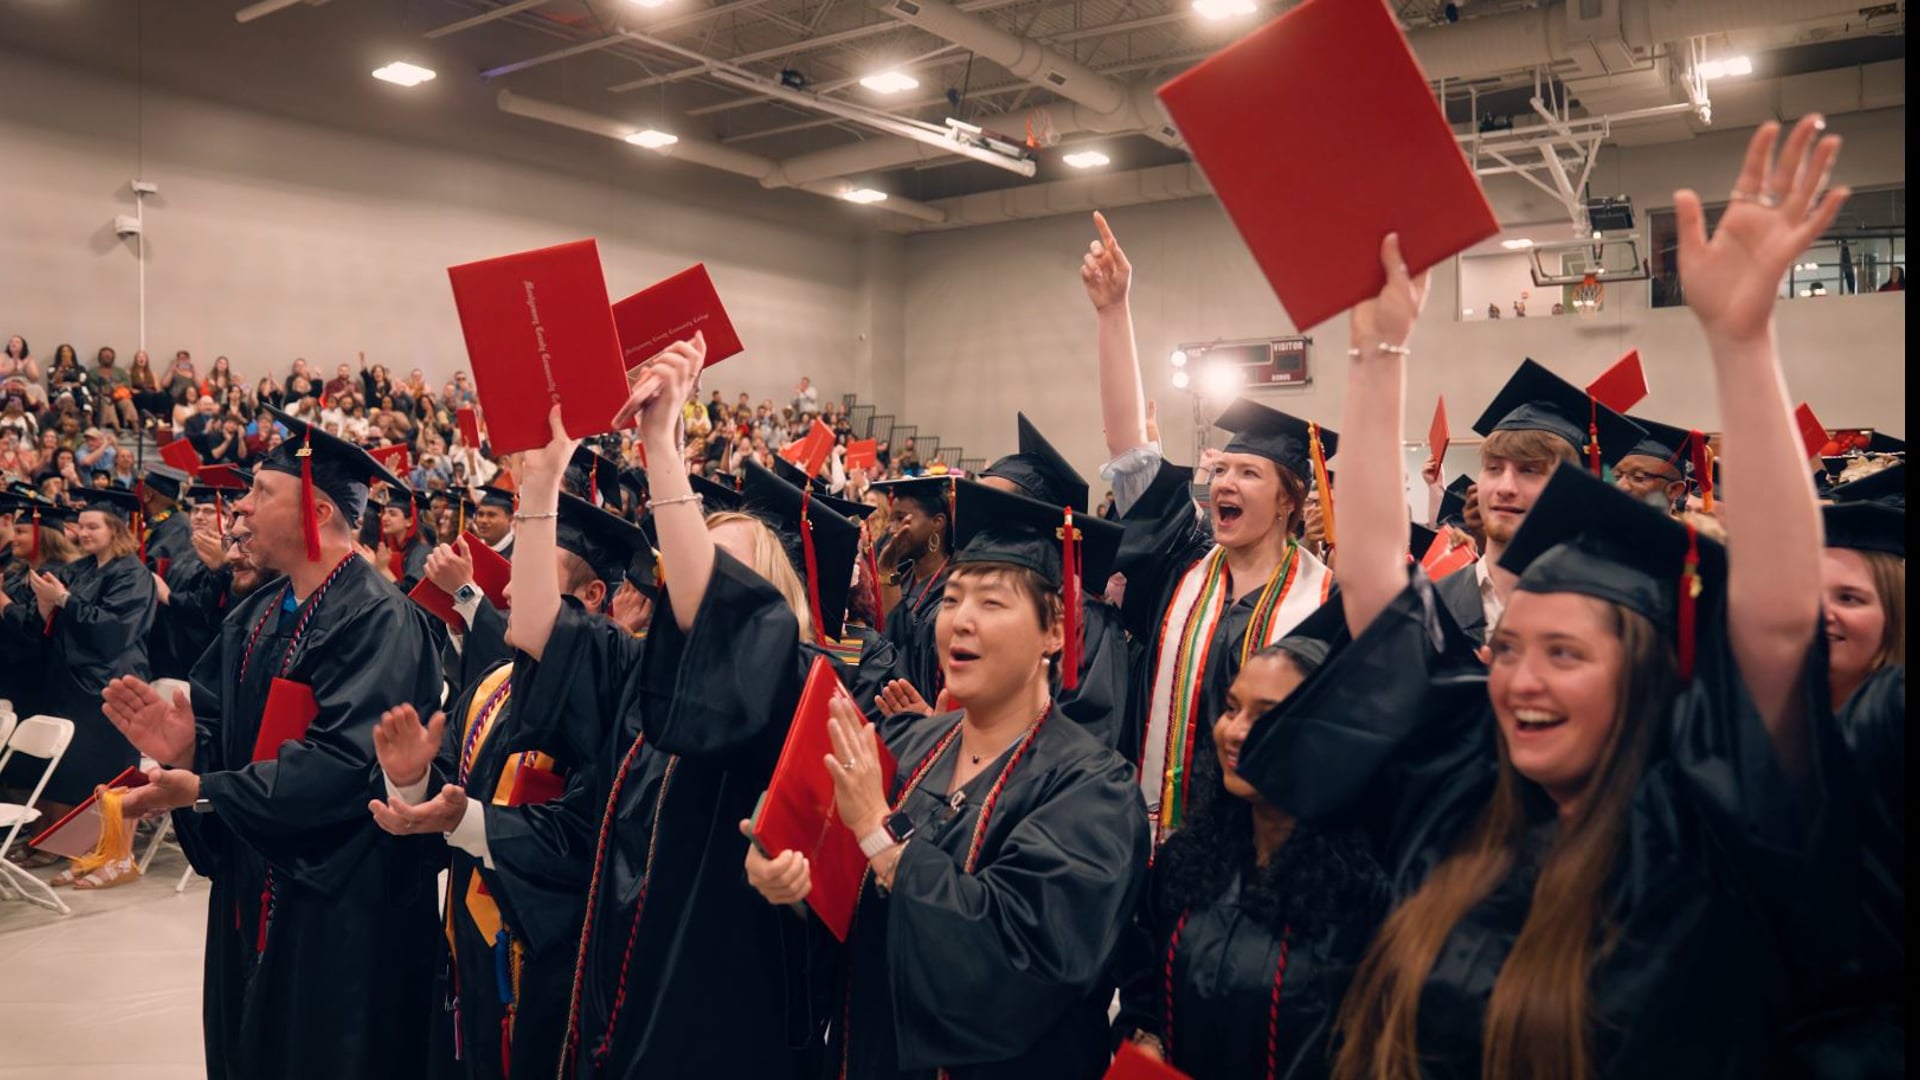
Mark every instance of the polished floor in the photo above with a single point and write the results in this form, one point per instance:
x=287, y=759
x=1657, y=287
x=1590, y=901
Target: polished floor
x=112, y=990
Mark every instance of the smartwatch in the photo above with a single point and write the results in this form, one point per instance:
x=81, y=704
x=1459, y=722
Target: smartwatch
x=203, y=806
x=895, y=829
x=466, y=594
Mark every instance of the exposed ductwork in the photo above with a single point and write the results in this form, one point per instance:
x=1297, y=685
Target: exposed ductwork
x=1162, y=183
x=697, y=151
x=1099, y=103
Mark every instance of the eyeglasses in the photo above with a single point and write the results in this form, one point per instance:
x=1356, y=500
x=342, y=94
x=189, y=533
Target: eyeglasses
x=1641, y=476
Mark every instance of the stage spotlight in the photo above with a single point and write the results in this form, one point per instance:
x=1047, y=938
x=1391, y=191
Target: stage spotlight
x=1178, y=359
x=1180, y=380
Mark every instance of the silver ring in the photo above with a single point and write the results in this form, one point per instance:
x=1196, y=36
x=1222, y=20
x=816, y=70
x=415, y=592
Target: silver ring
x=1768, y=200
x=1736, y=195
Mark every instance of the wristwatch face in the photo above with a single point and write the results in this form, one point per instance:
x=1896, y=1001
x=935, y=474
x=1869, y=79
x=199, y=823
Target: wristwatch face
x=899, y=826
x=465, y=593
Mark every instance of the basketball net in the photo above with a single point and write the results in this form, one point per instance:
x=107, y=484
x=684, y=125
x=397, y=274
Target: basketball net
x=1040, y=132
x=1587, y=296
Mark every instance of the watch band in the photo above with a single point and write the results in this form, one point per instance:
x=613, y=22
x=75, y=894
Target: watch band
x=875, y=842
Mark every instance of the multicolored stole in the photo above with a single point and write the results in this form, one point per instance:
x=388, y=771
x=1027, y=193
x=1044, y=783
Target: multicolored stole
x=1299, y=585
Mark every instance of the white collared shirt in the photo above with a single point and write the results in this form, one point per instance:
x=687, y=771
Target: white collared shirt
x=1490, y=601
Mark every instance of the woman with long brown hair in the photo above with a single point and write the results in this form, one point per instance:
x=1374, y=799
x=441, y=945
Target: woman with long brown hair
x=1597, y=840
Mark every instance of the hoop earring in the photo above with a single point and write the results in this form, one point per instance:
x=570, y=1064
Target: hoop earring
x=933, y=544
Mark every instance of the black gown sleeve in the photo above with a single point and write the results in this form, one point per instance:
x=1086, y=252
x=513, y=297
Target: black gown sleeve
x=565, y=703
x=104, y=630
x=1100, y=702
x=1165, y=535
x=728, y=685
x=1138, y=971
x=984, y=964
x=543, y=858
x=303, y=807
x=879, y=665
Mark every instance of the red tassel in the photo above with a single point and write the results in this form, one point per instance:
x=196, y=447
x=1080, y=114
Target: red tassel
x=1070, y=592
x=593, y=485
x=309, y=517
x=140, y=517
x=33, y=548
x=813, y=570
x=873, y=583
x=1689, y=598
x=1703, y=470
x=1593, y=437
x=506, y=1046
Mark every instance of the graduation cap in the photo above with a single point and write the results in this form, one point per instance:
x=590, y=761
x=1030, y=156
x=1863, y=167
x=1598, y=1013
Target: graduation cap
x=497, y=497
x=634, y=479
x=1870, y=514
x=604, y=541
x=1279, y=437
x=1684, y=450
x=933, y=494
x=167, y=481
x=1071, y=551
x=1880, y=443
x=1586, y=536
x=1040, y=471
x=37, y=512
x=326, y=464
x=643, y=570
x=1536, y=399
x=827, y=542
x=791, y=473
x=715, y=496
x=1453, y=501
x=590, y=475
x=1419, y=539
x=114, y=502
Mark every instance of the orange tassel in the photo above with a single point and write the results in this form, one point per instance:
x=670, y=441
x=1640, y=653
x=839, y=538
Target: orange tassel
x=1325, y=484
x=1689, y=596
x=309, y=516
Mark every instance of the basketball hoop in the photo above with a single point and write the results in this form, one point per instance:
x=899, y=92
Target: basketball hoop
x=1040, y=131
x=1586, y=297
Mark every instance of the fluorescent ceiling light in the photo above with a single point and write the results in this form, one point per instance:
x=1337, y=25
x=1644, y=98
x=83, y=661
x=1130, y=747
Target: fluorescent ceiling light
x=652, y=140
x=1223, y=9
x=890, y=82
x=1517, y=245
x=1720, y=69
x=864, y=195
x=1086, y=159
x=401, y=73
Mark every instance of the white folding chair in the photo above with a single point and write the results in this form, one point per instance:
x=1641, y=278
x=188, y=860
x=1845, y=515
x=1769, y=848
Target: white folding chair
x=44, y=737
x=7, y=723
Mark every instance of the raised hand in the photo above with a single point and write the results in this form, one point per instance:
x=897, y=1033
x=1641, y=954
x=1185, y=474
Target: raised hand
x=542, y=469
x=1732, y=280
x=1153, y=421
x=783, y=879
x=161, y=729
x=437, y=815
x=1387, y=319
x=49, y=591
x=1104, y=270
x=450, y=565
x=899, y=696
x=211, y=547
x=405, y=748
x=664, y=384
x=859, y=797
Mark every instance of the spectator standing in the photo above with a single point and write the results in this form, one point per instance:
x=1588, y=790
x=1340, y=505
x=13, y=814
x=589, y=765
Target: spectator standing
x=340, y=385
x=806, y=400
x=183, y=385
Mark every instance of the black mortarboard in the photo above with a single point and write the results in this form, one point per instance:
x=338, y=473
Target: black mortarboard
x=1274, y=435
x=788, y=471
x=994, y=526
x=1586, y=536
x=643, y=570
x=331, y=465
x=1536, y=399
x=1040, y=471
x=29, y=506
x=167, y=481
x=634, y=479
x=1419, y=539
x=1453, y=501
x=605, y=541
x=1305, y=650
x=498, y=498
x=591, y=476
x=933, y=494
x=1881, y=443
x=714, y=496
x=115, y=502
x=1870, y=514
x=804, y=521
x=1673, y=445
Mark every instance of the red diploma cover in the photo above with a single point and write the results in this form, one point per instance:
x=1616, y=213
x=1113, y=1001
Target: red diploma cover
x=1437, y=434
x=1133, y=1063
x=797, y=812
x=1813, y=434
x=490, y=575
x=290, y=709
x=1439, y=561
x=180, y=454
x=809, y=452
x=1621, y=386
x=469, y=419
x=1313, y=190
x=76, y=834
x=672, y=310
x=864, y=454
x=530, y=783
x=540, y=332
x=438, y=603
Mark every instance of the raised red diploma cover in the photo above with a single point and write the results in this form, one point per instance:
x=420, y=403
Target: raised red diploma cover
x=1133, y=1063
x=469, y=419
x=1437, y=434
x=540, y=332
x=864, y=454
x=290, y=710
x=797, y=812
x=1313, y=189
x=672, y=310
x=490, y=576
x=1813, y=434
x=809, y=452
x=1621, y=386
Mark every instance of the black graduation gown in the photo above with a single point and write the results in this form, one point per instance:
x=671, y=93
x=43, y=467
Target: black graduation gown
x=1395, y=732
x=1002, y=972
x=99, y=635
x=343, y=987
x=188, y=622
x=413, y=562
x=1164, y=538
x=171, y=538
x=1102, y=701
x=483, y=646
x=1226, y=1022
x=541, y=858
x=1459, y=593
x=687, y=970
x=867, y=663
x=910, y=628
